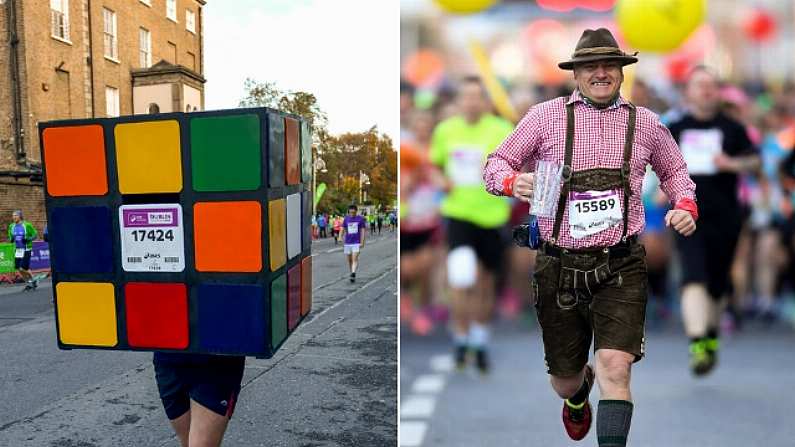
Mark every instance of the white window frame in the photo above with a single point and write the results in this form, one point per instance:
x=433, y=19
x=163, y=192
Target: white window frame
x=190, y=21
x=59, y=20
x=110, y=36
x=112, y=101
x=171, y=10
x=144, y=47
x=146, y=2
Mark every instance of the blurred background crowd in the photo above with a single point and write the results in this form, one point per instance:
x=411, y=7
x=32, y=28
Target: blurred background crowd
x=514, y=46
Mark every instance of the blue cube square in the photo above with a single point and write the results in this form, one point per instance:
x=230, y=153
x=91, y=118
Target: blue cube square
x=83, y=239
x=232, y=318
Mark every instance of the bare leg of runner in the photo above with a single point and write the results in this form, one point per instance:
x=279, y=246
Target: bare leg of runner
x=206, y=427
x=696, y=309
x=181, y=426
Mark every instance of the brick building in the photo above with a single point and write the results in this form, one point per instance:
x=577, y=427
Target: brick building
x=65, y=59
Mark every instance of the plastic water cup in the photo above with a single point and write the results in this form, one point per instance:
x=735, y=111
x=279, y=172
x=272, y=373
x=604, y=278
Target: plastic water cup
x=546, y=190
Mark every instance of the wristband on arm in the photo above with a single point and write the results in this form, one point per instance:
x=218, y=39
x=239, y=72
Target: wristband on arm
x=507, y=184
x=688, y=205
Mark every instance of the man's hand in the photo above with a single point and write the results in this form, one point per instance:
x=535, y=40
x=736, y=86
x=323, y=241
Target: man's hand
x=681, y=221
x=523, y=186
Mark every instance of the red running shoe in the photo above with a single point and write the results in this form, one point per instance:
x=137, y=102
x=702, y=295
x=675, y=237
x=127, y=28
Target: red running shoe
x=577, y=418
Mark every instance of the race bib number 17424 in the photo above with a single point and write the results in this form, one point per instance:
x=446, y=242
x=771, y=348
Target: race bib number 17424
x=152, y=238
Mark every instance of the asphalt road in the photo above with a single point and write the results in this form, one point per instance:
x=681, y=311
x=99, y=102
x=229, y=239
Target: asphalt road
x=746, y=402
x=334, y=383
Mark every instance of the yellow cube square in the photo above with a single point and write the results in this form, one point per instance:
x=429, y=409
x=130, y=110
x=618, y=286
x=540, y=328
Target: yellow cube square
x=148, y=157
x=277, y=233
x=86, y=313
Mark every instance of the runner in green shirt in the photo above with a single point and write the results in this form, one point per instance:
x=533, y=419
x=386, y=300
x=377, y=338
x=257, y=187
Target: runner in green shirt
x=459, y=147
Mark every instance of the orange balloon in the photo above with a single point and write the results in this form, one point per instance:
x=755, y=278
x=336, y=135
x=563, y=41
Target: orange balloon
x=424, y=68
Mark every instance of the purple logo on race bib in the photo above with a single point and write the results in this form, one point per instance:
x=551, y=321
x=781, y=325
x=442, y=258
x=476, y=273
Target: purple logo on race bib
x=150, y=217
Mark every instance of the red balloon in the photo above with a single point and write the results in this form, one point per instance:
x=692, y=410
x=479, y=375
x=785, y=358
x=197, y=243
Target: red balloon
x=759, y=26
x=677, y=67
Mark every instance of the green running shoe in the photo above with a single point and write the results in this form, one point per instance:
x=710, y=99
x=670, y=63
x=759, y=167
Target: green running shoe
x=703, y=357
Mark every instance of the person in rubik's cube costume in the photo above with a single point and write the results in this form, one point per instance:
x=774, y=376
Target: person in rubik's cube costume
x=184, y=234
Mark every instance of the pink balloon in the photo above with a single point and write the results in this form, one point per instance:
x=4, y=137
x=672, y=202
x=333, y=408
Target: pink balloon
x=568, y=5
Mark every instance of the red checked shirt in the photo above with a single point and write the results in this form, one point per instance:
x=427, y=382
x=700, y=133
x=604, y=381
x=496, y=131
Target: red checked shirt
x=598, y=143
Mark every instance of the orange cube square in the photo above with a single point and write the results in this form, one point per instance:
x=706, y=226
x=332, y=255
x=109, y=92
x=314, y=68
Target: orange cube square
x=75, y=160
x=228, y=236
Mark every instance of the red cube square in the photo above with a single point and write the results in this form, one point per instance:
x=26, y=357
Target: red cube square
x=157, y=315
x=293, y=296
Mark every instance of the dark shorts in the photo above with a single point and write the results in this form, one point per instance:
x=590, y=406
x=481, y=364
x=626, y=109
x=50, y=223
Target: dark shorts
x=23, y=262
x=707, y=255
x=412, y=241
x=487, y=242
x=609, y=308
x=211, y=380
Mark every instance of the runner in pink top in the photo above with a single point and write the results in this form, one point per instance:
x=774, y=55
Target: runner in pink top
x=590, y=278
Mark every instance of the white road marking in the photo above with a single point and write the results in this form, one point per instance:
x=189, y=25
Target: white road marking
x=417, y=407
x=428, y=384
x=442, y=363
x=412, y=433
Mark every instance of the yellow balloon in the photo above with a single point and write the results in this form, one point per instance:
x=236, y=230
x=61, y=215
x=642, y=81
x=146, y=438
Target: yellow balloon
x=499, y=97
x=465, y=6
x=658, y=25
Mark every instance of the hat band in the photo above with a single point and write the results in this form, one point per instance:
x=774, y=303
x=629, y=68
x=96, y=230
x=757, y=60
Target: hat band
x=607, y=51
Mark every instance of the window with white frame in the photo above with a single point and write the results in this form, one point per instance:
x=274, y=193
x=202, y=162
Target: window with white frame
x=145, y=45
x=171, y=9
x=59, y=13
x=111, y=101
x=190, y=21
x=111, y=44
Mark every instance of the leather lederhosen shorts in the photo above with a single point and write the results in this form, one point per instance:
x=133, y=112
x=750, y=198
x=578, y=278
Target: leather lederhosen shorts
x=585, y=295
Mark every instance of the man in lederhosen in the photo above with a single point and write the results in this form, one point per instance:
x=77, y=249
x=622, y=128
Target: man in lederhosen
x=590, y=276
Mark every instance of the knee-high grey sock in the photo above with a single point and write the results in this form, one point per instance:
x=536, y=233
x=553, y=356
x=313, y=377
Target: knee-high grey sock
x=613, y=419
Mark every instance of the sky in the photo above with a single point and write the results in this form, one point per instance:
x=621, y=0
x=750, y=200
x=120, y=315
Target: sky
x=345, y=52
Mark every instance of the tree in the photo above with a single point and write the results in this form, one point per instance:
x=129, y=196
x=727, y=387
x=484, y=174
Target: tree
x=349, y=154
x=345, y=155
x=266, y=94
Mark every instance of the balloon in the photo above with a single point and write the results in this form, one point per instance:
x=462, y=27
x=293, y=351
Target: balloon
x=548, y=42
x=321, y=188
x=691, y=53
x=424, y=68
x=568, y=5
x=759, y=26
x=678, y=67
x=465, y=6
x=658, y=25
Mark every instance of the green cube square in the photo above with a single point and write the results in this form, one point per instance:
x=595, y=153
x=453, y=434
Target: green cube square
x=278, y=310
x=225, y=153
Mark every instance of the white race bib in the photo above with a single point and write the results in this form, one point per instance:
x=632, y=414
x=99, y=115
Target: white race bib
x=699, y=148
x=593, y=211
x=19, y=253
x=353, y=228
x=152, y=238
x=466, y=167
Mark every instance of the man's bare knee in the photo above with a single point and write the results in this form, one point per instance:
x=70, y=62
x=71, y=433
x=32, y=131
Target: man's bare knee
x=613, y=371
x=567, y=386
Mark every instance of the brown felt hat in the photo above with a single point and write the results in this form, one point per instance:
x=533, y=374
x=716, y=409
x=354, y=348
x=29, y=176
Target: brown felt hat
x=596, y=45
